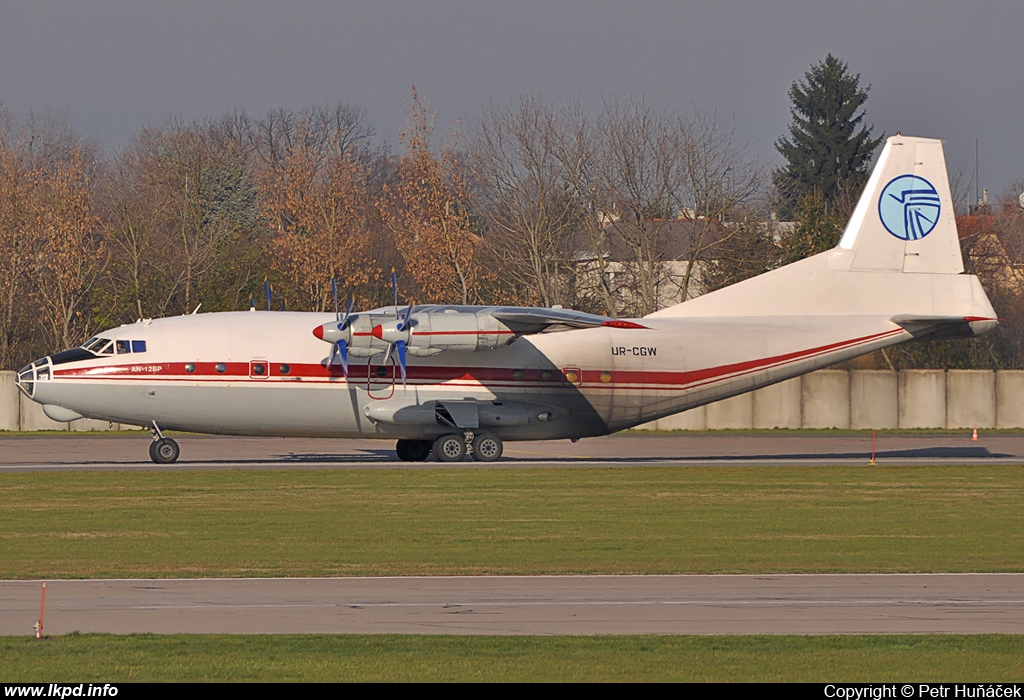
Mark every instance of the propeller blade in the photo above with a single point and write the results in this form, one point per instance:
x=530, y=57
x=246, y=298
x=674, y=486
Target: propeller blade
x=394, y=288
x=266, y=290
x=343, y=351
x=334, y=293
x=343, y=321
x=404, y=323
x=400, y=345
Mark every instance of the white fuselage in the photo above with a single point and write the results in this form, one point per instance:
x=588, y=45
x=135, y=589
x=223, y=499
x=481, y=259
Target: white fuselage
x=201, y=373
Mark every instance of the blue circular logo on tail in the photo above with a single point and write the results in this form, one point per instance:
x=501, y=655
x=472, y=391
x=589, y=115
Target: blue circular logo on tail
x=909, y=207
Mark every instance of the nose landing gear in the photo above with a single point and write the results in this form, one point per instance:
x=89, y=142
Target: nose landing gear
x=163, y=450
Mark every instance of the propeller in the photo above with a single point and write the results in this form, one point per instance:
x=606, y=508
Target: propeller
x=399, y=334
x=341, y=346
x=268, y=291
x=338, y=332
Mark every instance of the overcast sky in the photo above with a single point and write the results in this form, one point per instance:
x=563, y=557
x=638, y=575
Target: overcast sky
x=940, y=68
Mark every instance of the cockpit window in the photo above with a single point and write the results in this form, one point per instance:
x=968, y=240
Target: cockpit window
x=105, y=346
x=95, y=343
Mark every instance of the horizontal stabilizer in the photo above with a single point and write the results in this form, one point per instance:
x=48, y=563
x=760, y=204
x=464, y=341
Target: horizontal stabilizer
x=909, y=320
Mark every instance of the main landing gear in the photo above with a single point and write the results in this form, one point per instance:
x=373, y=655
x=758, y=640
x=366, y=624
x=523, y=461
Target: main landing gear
x=486, y=447
x=163, y=450
x=413, y=450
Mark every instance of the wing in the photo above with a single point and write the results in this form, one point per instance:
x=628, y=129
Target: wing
x=527, y=321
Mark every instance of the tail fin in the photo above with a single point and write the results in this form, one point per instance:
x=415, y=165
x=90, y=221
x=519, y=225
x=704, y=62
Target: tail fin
x=904, y=220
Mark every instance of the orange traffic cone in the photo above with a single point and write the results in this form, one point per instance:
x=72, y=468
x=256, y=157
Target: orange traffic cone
x=974, y=438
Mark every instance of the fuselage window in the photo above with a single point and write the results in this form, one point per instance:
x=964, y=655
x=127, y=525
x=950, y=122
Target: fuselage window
x=259, y=369
x=284, y=369
x=221, y=367
x=107, y=349
x=138, y=346
x=124, y=347
x=189, y=367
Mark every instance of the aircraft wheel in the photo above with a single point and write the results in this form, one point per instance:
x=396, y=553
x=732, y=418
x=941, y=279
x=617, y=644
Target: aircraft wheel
x=164, y=451
x=487, y=447
x=450, y=448
x=413, y=450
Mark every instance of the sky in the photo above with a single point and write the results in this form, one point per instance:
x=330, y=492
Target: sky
x=939, y=68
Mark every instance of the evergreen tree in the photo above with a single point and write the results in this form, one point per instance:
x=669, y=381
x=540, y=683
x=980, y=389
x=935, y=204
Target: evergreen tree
x=828, y=150
x=818, y=227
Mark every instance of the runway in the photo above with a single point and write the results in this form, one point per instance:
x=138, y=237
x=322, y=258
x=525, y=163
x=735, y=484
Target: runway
x=531, y=605
x=129, y=451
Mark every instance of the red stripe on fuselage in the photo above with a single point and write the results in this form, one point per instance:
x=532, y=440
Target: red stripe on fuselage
x=432, y=374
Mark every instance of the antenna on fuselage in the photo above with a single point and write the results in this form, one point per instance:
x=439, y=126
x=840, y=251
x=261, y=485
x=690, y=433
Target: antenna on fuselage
x=196, y=310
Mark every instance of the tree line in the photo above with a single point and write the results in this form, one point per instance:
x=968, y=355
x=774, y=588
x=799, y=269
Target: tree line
x=614, y=210
x=530, y=207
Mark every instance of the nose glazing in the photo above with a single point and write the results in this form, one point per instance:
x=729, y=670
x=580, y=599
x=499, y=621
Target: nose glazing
x=27, y=376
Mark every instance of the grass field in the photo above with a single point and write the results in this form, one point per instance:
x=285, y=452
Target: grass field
x=511, y=521
x=111, y=659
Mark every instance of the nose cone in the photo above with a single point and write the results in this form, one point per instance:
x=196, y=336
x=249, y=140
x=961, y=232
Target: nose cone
x=319, y=332
x=378, y=332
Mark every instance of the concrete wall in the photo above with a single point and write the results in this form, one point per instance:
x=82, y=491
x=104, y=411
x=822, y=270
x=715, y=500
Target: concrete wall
x=778, y=405
x=9, y=402
x=862, y=399
x=922, y=398
x=1009, y=398
x=970, y=398
x=826, y=399
x=874, y=399
x=731, y=414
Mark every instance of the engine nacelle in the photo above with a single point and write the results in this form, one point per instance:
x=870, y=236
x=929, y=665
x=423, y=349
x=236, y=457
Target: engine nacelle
x=429, y=330
x=446, y=329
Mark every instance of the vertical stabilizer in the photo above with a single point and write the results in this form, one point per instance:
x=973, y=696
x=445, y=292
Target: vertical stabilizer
x=904, y=220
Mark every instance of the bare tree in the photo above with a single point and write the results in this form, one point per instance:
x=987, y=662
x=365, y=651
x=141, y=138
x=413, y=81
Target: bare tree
x=15, y=235
x=533, y=211
x=721, y=176
x=69, y=254
x=593, y=285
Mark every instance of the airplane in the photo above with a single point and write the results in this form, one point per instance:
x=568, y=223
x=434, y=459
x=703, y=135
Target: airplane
x=456, y=380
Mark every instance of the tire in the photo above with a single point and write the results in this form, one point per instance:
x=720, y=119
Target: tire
x=419, y=450
x=450, y=448
x=402, y=448
x=413, y=450
x=164, y=451
x=487, y=447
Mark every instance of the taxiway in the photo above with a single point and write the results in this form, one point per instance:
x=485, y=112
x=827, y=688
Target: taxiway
x=529, y=605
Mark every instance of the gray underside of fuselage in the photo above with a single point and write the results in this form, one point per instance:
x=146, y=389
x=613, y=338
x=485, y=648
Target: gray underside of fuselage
x=288, y=410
